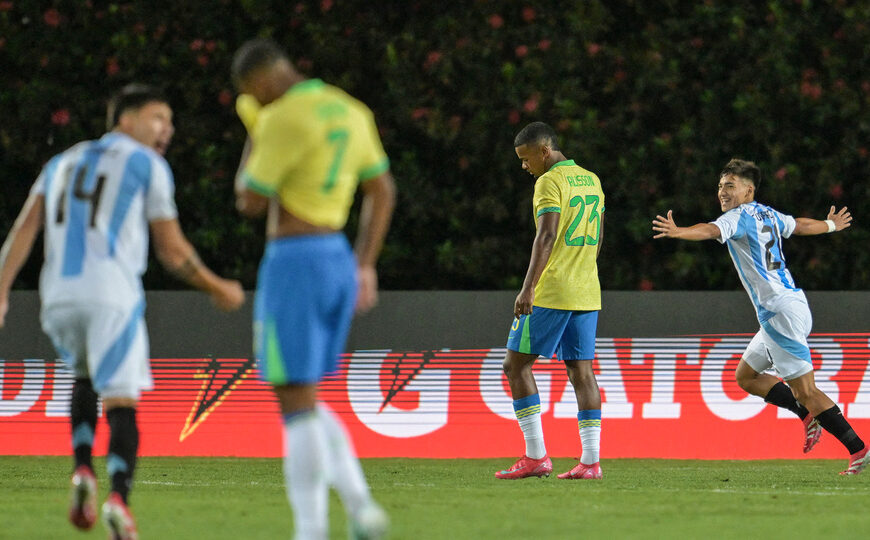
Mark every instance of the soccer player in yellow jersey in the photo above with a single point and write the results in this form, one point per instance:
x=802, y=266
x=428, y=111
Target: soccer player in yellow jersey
x=310, y=146
x=557, y=309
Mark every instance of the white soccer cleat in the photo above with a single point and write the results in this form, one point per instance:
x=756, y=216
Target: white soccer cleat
x=118, y=519
x=370, y=523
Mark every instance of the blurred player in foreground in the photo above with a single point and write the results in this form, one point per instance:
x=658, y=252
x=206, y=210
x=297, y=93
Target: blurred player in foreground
x=96, y=202
x=557, y=307
x=310, y=145
x=754, y=233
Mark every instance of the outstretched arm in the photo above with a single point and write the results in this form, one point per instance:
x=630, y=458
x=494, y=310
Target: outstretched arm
x=836, y=221
x=17, y=247
x=666, y=228
x=177, y=255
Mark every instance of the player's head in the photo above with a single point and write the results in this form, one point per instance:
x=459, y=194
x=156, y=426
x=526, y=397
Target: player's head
x=537, y=147
x=262, y=69
x=142, y=112
x=738, y=182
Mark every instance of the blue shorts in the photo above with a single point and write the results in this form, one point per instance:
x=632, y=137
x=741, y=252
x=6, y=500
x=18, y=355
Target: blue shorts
x=546, y=330
x=306, y=292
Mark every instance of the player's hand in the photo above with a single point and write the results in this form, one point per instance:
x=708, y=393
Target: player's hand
x=367, y=293
x=4, y=307
x=229, y=295
x=665, y=226
x=841, y=219
x=523, y=303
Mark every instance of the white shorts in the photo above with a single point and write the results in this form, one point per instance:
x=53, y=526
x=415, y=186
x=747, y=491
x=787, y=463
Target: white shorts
x=105, y=344
x=781, y=343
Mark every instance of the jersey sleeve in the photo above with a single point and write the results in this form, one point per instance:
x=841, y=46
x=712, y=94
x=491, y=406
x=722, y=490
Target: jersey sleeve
x=729, y=226
x=45, y=176
x=547, y=197
x=374, y=160
x=160, y=196
x=248, y=109
x=786, y=223
x=277, y=146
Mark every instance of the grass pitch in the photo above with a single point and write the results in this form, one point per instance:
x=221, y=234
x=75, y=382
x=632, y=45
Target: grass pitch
x=215, y=498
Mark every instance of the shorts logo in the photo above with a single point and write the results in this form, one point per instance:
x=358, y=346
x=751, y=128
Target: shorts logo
x=220, y=378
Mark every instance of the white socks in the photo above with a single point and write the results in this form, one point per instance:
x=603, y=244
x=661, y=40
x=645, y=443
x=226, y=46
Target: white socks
x=317, y=455
x=589, y=424
x=528, y=411
x=305, y=449
x=345, y=473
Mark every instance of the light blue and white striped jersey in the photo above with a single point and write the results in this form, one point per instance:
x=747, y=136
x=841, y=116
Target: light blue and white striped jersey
x=99, y=198
x=754, y=234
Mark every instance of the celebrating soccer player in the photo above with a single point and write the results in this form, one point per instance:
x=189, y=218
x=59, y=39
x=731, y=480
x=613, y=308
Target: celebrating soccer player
x=754, y=233
x=96, y=202
x=557, y=308
x=310, y=146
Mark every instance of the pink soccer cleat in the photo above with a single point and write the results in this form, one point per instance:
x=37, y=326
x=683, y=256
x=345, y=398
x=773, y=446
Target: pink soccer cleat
x=583, y=472
x=857, y=462
x=813, y=431
x=526, y=467
x=118, y=518
x=83, y=498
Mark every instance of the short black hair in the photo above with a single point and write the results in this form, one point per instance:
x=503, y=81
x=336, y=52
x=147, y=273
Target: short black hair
x=538, y=133
x=131, y=97
x=744, y=169
x=253, y=55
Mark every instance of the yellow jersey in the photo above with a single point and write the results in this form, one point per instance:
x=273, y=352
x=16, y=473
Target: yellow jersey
x=570, y=278
x=310, y=149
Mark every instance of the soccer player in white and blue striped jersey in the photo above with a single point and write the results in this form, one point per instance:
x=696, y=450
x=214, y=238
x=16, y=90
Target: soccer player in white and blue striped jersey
x=753, y=233
x=97, y=202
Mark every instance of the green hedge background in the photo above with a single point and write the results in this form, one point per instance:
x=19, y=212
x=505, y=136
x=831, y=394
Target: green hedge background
x=653, y=96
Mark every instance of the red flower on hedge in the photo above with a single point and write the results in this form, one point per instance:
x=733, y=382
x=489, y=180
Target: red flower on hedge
x=196, y=44
x=431, y=59
x=496, y=21
x=780, y=173
x=836, y=191
x=51, y=17
x=514, y=116
x=202, y=60
x=60, y=117
x=544, y=44
x=6, y=6
x=112, y=66
x=531, y=104
x=419, y=113
x=645, y=285
x=593, y=49
x=225, y=97
x=325, y=5
x=528, y=14
x=521, y=51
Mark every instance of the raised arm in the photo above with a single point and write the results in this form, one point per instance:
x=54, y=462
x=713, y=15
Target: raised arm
x=836, y=221
x=17, y=247
x=666, y=228
x=178, y=256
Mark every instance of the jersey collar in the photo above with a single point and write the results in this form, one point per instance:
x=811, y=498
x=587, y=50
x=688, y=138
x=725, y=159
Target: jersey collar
x=308, y=85
x=567, y=162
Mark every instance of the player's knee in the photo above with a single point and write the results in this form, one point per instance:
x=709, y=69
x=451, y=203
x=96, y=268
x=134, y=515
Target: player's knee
x=580, y=372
